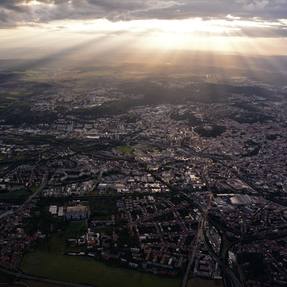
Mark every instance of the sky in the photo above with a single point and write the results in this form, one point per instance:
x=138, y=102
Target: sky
x=38, y=28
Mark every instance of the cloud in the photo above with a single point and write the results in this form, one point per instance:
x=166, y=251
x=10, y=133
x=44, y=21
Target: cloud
x=21, y=12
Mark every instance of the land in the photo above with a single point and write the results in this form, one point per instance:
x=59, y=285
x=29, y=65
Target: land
x=148, y=179
x=89, y=271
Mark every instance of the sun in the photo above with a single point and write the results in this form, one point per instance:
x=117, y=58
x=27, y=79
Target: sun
x=164, y=34
x=35, y=3
x=225, y=35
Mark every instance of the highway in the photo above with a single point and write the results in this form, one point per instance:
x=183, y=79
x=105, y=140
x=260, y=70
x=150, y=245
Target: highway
x=6, y=214
x=29, y=199
x=226, y=270
x=201, y=234
x=197, y=241
x=199, y=238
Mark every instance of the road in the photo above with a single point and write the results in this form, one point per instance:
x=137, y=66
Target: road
x=201, y=233
x=233, y=280
x=6, y=214
x=30, y=198
x=197, y=241
x=199, y=238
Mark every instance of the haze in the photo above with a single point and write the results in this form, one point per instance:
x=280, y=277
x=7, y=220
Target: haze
x=159, y=30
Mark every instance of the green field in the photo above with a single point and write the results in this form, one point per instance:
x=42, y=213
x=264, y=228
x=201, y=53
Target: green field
x=48, y=261
x=18, y=195
x=88, y=271
x=125, y=150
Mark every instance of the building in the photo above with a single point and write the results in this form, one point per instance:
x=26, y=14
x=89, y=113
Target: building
x=78, y=212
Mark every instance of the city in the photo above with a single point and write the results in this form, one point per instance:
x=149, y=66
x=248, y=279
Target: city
x=195, y=190
x=143, y=143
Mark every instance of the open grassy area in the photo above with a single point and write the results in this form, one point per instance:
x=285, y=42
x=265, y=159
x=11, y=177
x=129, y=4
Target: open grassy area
x=17, y=195
x=84, y=270
x=125, y=150
x=48, y=261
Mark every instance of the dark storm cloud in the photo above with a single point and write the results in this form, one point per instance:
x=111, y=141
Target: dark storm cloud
x=17, y=12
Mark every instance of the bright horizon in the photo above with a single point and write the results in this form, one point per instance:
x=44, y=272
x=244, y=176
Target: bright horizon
x=228, y=35
x=91, y=30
